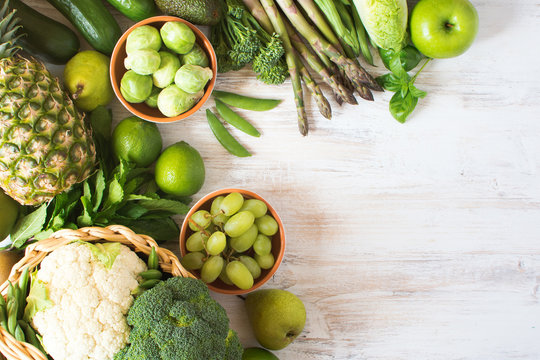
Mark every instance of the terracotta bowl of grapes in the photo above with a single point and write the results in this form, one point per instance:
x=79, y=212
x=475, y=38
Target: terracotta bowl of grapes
x=233, y=240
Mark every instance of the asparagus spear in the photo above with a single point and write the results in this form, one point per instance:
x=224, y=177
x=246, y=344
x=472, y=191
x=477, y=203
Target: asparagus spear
x=260, y=15
x=318, y=19
x=277, y=22
x=336, y=15
x=313, y=87
x=355, y=73
x=362, y=36
x=340, y=91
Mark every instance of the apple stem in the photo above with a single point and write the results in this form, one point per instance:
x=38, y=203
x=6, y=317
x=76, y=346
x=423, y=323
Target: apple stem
x=448, y=25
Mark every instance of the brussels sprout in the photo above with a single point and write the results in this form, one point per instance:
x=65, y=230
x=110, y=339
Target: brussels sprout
x=170, y=64
x=152, y=99
x=143, y=62
x=143, y=37
x=173, y=101
x=135, y=88
x=177, y=36
x=196, y=56
x=192, y=78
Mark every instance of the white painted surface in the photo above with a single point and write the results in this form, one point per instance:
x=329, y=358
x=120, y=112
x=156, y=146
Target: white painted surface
x=414, y=241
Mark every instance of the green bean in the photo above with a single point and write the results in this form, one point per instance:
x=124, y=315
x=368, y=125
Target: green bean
x=153, y=261
x=11, y=290
x=224, y=137
x=235, y=120
x=151, y=274
x=362, y=37
x=245, y=102
x=12, y=307
x=19, y=334
x=148, y=284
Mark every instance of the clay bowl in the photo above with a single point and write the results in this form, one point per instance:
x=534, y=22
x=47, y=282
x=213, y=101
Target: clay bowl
x=278, y=241
x=117, y=70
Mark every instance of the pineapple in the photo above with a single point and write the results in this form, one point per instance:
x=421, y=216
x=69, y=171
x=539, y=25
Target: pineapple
x=45, y=146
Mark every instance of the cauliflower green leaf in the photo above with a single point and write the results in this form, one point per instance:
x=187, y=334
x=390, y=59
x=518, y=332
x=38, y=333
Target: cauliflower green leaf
x=105, y=253
x=38, y=298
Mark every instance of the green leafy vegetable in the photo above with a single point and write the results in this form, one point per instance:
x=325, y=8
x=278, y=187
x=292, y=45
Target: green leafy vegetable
x=38, y=298
x=29, y=225
x=105, y=253
x=406, y=96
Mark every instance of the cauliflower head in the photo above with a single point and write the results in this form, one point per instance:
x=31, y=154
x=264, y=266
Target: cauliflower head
x=88, y=289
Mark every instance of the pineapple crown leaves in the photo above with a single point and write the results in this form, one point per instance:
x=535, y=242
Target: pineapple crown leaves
x=8, y=31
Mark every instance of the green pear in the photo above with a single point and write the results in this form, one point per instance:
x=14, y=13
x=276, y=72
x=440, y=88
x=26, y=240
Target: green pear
x=255, y=353
x=277, y=317
x=86, y=76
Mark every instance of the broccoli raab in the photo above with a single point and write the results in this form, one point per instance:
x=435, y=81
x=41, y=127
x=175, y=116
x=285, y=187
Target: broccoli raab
x=178, y=320
x=239, y=40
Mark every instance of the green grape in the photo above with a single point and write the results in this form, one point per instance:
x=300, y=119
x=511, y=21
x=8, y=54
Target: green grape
x=257, y=207
x=193, y=260
x=239, y=223
x=195, y=242
x=212, y=268
x=265, y=261
x=239, y=274
x=201, y=218
x=220, y=219
x=252, y=265
x=245, y=241
x=216, y=243
x=267, y=225
x=223, y=276
x=262, y=245
x=214, y=209
x=231, y=203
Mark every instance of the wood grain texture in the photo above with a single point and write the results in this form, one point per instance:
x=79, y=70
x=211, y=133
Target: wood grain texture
x=414, y=241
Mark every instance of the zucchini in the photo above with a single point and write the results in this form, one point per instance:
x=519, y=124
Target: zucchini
x=44, y=37
x=135, y=10
x=93, y=20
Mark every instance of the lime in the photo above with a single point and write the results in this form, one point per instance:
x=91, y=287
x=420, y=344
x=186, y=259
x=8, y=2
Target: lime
x=258, y=354
x=137, y=141
x=180, y=170
x=9, y=209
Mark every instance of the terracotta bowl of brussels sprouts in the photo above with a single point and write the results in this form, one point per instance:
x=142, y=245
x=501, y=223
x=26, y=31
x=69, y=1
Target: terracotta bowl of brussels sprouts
x=163, y=69
x=233, y=240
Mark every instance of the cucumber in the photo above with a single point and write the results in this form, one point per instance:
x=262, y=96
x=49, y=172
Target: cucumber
x=93, y=20
x=45, y=38
x=135, y=10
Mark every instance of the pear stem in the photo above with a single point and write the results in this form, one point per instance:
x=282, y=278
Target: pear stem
x=79, y=91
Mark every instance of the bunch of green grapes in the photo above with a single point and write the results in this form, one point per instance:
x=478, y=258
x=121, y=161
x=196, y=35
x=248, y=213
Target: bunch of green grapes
x=232, y=242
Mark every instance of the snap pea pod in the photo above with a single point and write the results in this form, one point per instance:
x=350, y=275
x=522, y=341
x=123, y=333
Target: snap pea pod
x=148, y=284
x=23, y=289
x=12, y=308
x=235, y=120
x=151, y=274
x=3, y=316
x=31, y=336
x=153, y=262
x=19, y=334
x=224, y=137
x=245, y=102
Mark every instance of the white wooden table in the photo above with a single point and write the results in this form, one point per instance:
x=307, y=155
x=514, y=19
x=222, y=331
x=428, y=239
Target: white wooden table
x=414, y=241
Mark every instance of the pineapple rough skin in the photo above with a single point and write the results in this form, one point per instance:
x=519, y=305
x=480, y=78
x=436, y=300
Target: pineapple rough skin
x=45, y=146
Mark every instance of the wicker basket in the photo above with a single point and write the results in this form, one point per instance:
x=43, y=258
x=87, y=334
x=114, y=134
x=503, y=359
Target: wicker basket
x=35, y=253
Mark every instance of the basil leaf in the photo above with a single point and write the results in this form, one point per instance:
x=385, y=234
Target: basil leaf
x=410, y=57
x=396, y=67
x=416, y=92
x=401, y=107
x=29, y=225
x=389, y=82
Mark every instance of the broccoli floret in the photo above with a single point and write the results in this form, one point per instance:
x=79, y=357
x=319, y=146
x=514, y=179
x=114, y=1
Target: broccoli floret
x=178, y=320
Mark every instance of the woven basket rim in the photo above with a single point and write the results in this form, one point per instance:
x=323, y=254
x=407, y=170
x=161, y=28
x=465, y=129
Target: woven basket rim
x=36, y=252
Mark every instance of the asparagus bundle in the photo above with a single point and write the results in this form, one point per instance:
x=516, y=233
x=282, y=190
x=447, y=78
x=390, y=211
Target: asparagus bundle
x=326, y=43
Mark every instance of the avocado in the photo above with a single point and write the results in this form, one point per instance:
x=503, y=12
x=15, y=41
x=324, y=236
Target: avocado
x=198, y=12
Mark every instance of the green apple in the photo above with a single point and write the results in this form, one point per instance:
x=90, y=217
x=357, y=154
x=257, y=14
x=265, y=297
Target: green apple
x=443, y=28
x=276, y=316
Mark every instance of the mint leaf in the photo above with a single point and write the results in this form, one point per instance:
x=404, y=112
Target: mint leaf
x=99, y=189
x=29, y=225
x=175, y=207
